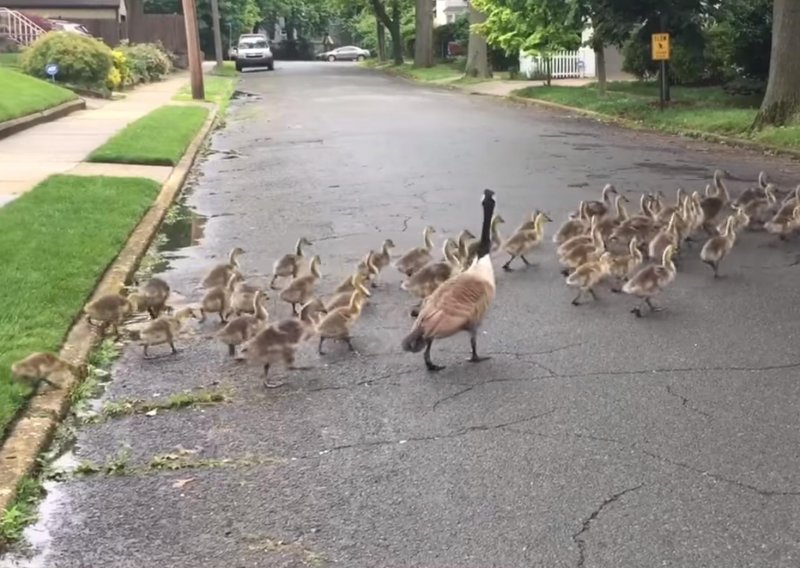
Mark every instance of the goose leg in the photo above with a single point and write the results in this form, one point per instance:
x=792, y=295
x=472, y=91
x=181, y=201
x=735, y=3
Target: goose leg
x=525, y=260
x=172, y=346
x=152, y=312
x=231, y=350
x=592, y=292
x=653, y=308
x=415, y=310
x=268, y=384
x=507, y=265
x=294, y=308
x=319, y=349
x=349, y=343
x=576, y=301
x=428, y=363
x=202, y=315
x=473, y=343
x=144, y=350
x=272, y=282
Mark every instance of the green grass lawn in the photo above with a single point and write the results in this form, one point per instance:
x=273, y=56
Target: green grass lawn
x=219, y=87
x=157, y=139
x=9, y=59
x=21, y=94
x=439, y=72
x=699, y=109
x=56, y=242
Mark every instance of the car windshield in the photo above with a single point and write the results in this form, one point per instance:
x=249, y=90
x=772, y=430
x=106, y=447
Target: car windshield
x=253, y=43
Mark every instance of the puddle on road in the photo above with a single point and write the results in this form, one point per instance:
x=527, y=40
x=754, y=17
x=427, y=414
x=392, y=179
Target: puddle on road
x=244, y=95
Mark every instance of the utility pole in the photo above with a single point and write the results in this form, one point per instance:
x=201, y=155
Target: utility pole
x=217, y=32
x=193, y=48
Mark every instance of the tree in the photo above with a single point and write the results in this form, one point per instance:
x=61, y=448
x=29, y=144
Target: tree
x=477, y=56
x=530, y=26
x=781, y=104
x=423, y=34
x=392, y=23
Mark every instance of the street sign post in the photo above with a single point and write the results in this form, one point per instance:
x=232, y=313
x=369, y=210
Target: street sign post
x=660, y=48
x=52, y=70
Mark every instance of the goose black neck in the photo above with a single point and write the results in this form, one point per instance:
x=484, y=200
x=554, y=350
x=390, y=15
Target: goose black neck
x=485, y=245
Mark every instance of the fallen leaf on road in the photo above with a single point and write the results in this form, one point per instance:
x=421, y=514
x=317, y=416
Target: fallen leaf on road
x=151, y=412
x=181, y=482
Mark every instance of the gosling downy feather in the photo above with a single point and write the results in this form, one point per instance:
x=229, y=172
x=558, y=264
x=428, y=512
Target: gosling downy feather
x=588, y=275
x=461, y=302
x=336, y=324
x=288, y=265
x=521, y=243
x=218, y=300
x=600, y=208
x=220, y=274
x=164, y=330
x=717, y=248
x=41, y=365
x=300, y=290
x=650, y=280
x=417, y=257
x=109, y=309
x=242, y=328
x=572, y=227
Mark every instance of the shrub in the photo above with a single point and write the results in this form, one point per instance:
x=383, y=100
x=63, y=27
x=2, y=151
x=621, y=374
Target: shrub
x=81, y=60
x=146, y=62
x=119, y=75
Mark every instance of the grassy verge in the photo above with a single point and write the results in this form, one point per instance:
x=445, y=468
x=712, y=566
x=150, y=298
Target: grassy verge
x=9, y=59
x=22, y=512
x=441, y=72
x=159, y=138
x=57, y=241
x=698, y=109
x=21, y=94
x=219, y=86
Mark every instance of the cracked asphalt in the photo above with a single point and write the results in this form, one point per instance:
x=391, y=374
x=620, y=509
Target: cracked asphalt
x=590, y=439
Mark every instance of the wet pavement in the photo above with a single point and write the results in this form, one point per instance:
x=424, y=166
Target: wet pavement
x=590, y=438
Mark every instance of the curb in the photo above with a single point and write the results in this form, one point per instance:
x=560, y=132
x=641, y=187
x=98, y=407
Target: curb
x=633, y=125
x=15, y=125
x=34, y=429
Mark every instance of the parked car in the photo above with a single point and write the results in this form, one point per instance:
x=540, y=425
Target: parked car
x=72, y=27
x=346, y=53
x=253, y=51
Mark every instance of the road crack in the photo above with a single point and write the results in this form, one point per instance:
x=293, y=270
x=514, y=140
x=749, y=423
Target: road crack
x=432, y=437
x=579, y=537
x=685, y=402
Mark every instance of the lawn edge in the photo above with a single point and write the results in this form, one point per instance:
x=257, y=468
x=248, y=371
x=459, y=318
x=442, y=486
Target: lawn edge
x=15, y=125
x=635, y=125
x=33, y=430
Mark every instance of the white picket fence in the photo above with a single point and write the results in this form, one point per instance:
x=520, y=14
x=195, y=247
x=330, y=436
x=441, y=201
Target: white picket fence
x=563, y=64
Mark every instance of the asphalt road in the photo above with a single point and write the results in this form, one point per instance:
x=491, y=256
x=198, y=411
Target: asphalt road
x=589, y=439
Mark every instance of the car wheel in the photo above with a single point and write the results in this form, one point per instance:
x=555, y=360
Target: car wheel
x=271, y=66
x=331, y=58
x=238, y=67
x=360, y=58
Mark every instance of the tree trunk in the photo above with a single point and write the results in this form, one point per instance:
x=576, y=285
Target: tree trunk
x=600, y=68
x=394, y=30
x=381, y=34
x=217, y=32
x=548, y=65
x=423, y=34
x=393, y=24
x=477, y=57
x=781, y=102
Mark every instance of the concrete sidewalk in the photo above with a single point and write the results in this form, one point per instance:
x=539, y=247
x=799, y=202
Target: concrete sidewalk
x=29, y=157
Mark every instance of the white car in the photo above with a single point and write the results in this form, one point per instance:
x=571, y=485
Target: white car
x=253, y=51
x=72, y=27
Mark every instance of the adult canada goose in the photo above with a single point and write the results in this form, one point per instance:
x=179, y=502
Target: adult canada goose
x=461, y=302
x=288, y=265
x=221, y=274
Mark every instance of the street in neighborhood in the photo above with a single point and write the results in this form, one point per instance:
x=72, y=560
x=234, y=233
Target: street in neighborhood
x=591, y=438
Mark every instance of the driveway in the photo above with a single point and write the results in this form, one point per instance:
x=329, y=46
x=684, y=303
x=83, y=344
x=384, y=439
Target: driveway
x=591, y=438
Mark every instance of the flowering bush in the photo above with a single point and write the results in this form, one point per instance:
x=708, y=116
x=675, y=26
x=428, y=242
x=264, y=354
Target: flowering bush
x=81, y=60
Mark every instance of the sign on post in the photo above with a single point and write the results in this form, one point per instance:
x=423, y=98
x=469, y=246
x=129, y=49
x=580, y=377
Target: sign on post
x=52, y=70
x=660, y=47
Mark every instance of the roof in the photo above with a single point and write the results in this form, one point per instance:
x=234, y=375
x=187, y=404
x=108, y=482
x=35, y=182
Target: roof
x=22, y=5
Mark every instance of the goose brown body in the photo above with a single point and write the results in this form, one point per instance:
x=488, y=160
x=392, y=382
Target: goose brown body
x=220, y=274
x=42, y=364
x=460, y=303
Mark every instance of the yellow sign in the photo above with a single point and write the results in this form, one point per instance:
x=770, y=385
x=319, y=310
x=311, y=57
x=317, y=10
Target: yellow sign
x=661, y=47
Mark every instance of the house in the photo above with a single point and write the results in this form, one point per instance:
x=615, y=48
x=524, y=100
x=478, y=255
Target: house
x=447, y=11
x=580, y=63
x=70, y=10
